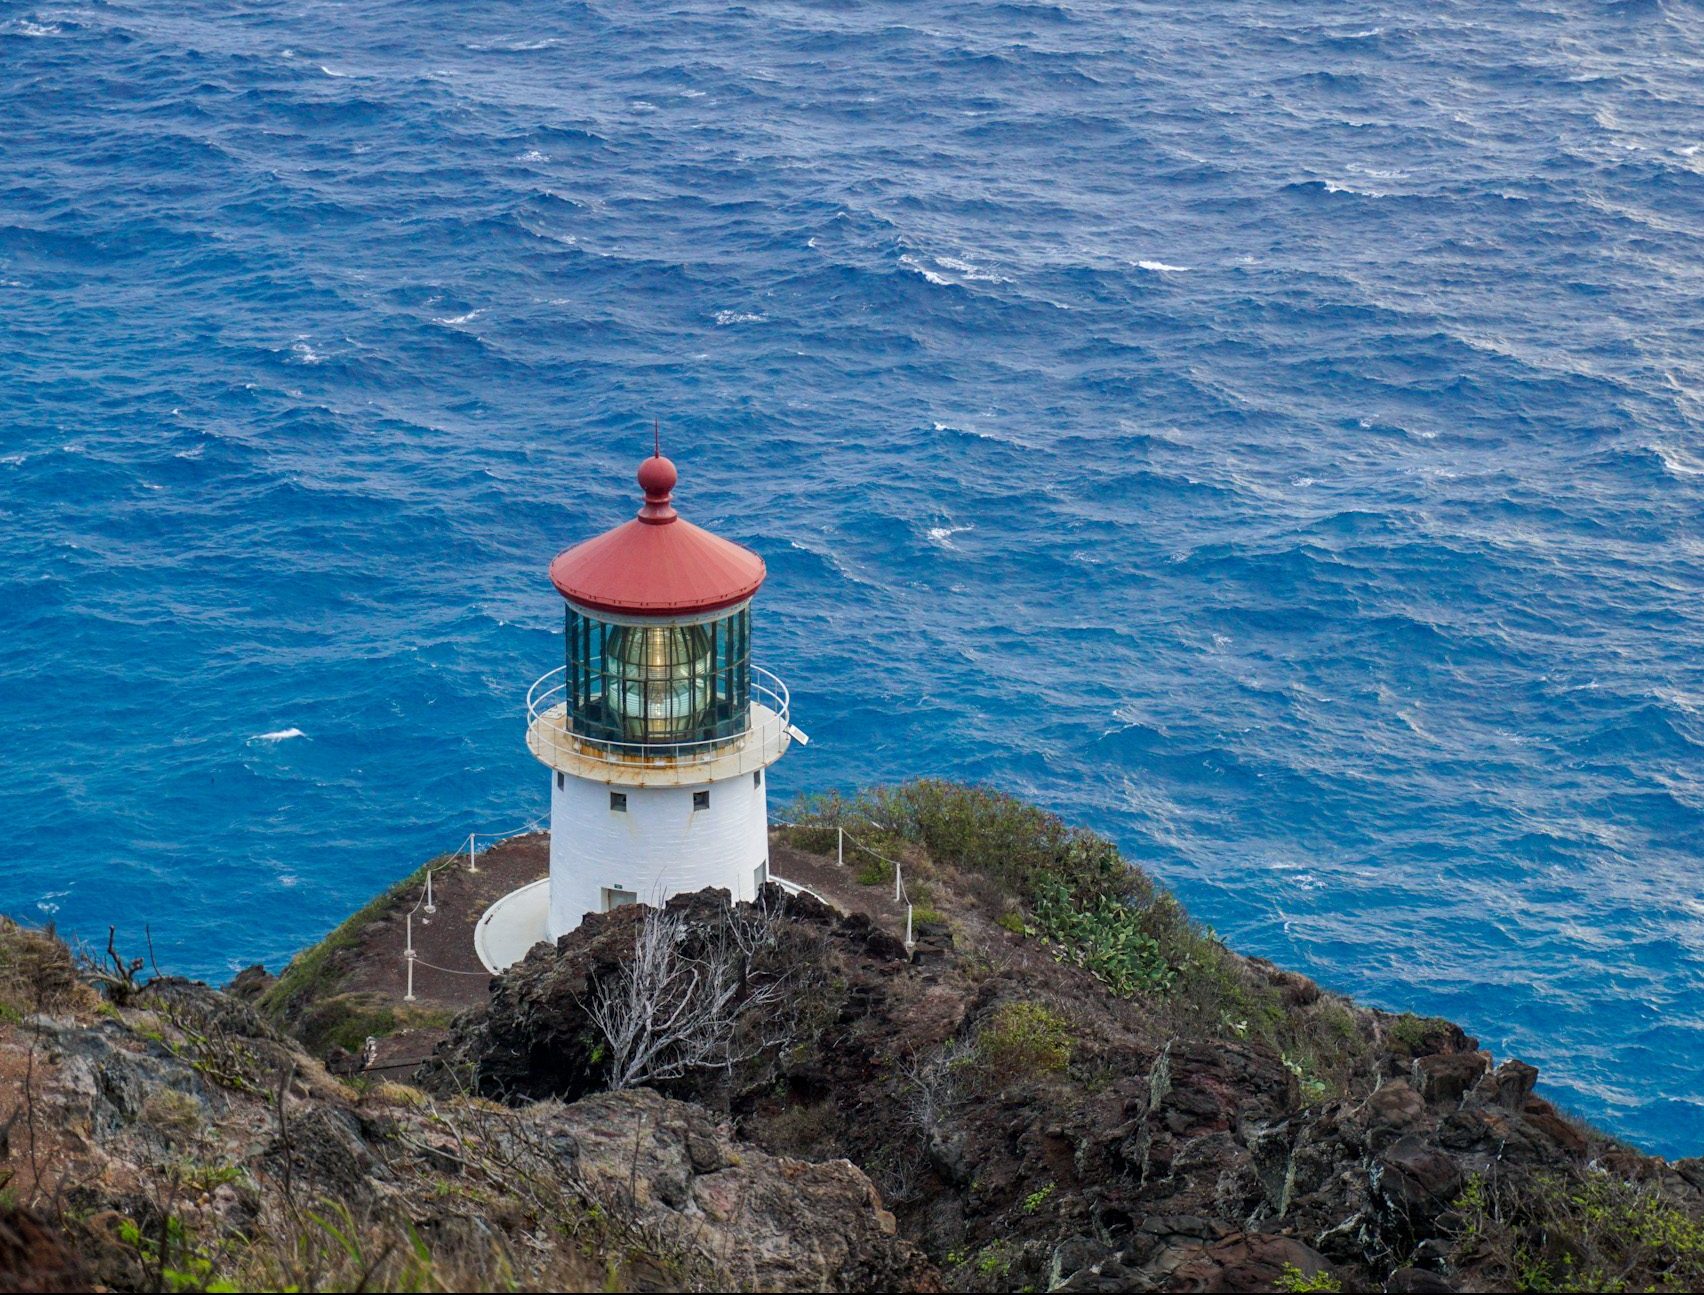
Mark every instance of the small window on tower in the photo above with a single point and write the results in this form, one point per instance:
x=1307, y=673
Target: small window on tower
x=701, y=800
x=757, y=778
x=561, y=781
x=618, y=802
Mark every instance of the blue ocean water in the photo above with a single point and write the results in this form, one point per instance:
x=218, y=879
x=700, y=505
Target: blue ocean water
x=1268, y=432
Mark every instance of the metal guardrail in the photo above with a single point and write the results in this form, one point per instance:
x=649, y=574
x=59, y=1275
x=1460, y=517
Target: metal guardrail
x=771, y=706
x=425, y=905
x=841, y=839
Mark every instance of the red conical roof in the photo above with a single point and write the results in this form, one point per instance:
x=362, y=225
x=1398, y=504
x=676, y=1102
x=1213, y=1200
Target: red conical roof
x=658, y=564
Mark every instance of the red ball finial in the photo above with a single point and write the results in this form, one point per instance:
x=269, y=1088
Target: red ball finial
x=657, y=477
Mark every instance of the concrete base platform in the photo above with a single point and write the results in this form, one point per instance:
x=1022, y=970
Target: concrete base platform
x=513, y=925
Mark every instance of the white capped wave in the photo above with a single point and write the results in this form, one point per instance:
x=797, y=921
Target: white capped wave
x=726, y=317
x=512, y=46
x=1337, y=186
x=1160, y=267
x=965, y=270
x=1677, y=463
x=829, y=556
x=341, y=76
x=304, y=353
x=943, y=535
x=916, y=267
x=532, y=155
x=24, y=27
x=970, y=270
x=278, y=735
x=455, y=321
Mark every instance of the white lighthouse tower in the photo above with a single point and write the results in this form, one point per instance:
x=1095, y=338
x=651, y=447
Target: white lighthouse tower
x=658, y=731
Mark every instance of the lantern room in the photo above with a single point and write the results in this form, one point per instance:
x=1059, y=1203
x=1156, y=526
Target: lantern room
x=658, y=630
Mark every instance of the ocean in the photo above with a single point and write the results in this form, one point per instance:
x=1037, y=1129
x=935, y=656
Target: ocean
x=1272, y=434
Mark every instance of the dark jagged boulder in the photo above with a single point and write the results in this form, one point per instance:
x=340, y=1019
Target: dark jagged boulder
x=34, y=1256
x=251, y=983
x=536, y=1038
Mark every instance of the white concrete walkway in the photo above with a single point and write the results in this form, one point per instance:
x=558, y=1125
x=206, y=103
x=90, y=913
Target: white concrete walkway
x=512, y=926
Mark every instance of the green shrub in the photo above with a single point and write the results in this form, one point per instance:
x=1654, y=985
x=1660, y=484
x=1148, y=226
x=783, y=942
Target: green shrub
x=1036, y=1199
x=874, y=872
x=1294, y=1279
x=1024, y=1040
x=1106, y=938
x=1586, y=1232
x=1411, y=1032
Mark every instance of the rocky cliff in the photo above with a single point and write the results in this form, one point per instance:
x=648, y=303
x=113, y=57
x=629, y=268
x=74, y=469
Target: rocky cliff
x=1063, y=1085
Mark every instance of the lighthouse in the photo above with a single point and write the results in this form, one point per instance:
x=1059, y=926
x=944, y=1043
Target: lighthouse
x=658, y=730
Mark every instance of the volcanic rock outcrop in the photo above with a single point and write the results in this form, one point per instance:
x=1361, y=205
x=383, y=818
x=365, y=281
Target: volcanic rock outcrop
x=1062, y=1085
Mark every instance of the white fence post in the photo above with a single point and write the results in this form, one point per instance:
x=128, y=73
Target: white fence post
x=471, y=866
x=840, y=846
x=430, y=906
x=898, y=883
x=908, y=940
x=408, y=958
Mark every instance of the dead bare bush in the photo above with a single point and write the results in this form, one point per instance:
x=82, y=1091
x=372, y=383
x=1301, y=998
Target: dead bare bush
x=690, y=999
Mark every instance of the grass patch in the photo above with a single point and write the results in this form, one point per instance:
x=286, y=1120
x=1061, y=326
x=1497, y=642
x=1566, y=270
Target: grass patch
x=1071, y=885
x=176, y=1116
x=347, y=1020
x=1414, y=1033
x=315, y=972
x=1024, y=1041
x=37, y=973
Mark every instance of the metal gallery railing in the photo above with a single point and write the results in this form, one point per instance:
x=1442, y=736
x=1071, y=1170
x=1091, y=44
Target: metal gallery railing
x=547, y=706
